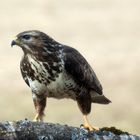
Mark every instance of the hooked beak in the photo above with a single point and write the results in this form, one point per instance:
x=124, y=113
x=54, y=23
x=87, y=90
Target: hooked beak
x=14, y=42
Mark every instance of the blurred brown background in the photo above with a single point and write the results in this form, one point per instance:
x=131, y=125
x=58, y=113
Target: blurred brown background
x=106, y=32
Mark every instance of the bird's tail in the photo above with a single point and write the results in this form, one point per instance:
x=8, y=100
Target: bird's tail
x=100, y=99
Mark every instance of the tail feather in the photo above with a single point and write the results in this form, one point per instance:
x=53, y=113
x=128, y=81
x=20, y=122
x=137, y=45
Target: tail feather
x=100, y=99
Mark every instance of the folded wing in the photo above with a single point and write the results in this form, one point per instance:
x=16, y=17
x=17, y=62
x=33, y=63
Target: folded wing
x=77, y=66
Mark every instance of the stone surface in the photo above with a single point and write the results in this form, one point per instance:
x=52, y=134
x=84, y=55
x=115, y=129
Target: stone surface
x=27, y=130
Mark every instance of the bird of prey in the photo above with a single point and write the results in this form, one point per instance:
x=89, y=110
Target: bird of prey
x=55, y=70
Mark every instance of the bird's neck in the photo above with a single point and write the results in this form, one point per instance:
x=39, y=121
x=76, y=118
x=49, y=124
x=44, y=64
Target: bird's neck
x=45, y=55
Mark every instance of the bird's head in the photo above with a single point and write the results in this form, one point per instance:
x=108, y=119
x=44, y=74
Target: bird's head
x=33, y=41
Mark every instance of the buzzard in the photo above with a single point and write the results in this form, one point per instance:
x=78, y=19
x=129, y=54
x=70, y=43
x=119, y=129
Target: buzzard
x=55, y=70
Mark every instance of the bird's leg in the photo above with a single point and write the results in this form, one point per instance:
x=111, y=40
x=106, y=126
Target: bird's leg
x=88, y=125
x=39, y=103
x=84, y=103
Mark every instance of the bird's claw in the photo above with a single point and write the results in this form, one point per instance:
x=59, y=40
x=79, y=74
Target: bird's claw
x=37, y=118
x=89, y=127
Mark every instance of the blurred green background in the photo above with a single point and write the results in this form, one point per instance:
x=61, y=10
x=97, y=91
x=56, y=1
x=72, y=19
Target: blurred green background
x=106, y=32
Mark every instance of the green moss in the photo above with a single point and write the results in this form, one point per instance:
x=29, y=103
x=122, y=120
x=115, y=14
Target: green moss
x=2, y=133
x=114, y=130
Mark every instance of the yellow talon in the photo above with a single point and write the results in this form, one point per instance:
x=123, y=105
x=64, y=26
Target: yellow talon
x=38, y=118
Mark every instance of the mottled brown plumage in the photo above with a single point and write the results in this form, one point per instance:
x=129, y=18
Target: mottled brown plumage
x=55, y=70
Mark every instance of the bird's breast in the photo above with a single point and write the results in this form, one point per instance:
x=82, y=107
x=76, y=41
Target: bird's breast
x=50, y=79
x=62, y=87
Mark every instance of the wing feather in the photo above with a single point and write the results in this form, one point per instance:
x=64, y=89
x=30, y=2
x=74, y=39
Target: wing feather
x=77, y=66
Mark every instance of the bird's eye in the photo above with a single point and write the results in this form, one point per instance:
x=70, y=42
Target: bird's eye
x=27, y=37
